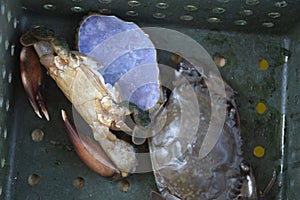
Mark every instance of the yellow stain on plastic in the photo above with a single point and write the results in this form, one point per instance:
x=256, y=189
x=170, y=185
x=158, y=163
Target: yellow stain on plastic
x=263, y=64
x=261, y=108
x=259, y=151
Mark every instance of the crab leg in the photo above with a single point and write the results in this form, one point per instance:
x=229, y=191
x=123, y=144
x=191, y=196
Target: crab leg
x=89, y=151
x=269, y=186
x=155, y=196
x=31, y=75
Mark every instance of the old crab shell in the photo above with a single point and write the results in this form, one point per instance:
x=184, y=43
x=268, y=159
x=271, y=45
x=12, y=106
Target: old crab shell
x=127, y=54
x=180, y=171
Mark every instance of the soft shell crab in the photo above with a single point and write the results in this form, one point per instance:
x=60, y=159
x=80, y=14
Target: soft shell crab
x=221, y=175
x=95, y=101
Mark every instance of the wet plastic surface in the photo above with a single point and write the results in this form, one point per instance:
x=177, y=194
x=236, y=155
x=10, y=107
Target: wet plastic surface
x=57, y=164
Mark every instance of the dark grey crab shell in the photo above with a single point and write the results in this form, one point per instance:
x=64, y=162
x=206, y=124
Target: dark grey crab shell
x=175, y=154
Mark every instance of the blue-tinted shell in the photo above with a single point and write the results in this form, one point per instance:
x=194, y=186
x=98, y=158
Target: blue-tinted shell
x=127, y=54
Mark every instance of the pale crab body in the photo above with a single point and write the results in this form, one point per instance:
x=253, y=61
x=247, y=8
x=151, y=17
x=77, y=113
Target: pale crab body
x=75, y=75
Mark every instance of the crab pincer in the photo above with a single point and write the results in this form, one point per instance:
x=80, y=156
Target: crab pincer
x=89, y=151
x=31, y=75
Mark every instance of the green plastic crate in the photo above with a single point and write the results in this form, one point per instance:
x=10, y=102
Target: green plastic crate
x=243, y=31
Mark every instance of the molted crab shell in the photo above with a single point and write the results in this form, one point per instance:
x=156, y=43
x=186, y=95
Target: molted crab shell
x=179, y=170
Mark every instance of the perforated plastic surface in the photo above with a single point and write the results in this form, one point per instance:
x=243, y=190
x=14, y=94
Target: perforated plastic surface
x=257, y=16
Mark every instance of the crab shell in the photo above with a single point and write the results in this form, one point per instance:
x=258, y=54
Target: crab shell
x=179, y=170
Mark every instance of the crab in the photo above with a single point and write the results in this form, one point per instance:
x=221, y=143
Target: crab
x=96, y=101
x=180, y=172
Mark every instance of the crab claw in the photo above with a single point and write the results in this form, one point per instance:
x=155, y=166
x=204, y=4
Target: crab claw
x=89, y=151
x=31, y=74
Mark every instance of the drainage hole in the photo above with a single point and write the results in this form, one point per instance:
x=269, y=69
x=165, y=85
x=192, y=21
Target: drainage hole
x=34, y=179
x=124, y=185
x=37, y=135
x=79, y=183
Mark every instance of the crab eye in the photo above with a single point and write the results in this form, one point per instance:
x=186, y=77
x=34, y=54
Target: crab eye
x=42, y=33
x=74, y=56
x=245, y=168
